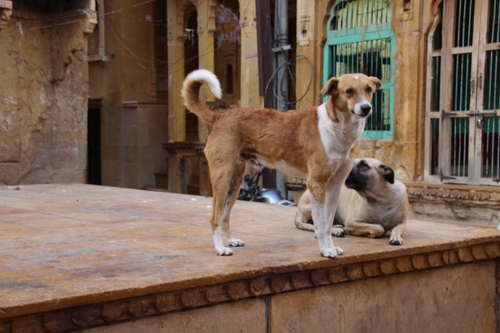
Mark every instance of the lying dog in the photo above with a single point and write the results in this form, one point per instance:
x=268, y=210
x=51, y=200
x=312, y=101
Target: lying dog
x=313, y=143
x=372, y=203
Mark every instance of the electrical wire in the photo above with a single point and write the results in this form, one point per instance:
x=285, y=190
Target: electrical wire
x=289, y=64
x=143, y=59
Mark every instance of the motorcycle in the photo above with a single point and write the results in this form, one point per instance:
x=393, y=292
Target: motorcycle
x=250, y=191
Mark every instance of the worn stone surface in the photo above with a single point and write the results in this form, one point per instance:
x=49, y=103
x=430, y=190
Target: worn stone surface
x=43, y=120
x=76, y=256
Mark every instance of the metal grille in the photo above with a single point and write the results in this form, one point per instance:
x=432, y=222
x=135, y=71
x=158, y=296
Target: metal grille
x=493, y=34
x=354, y=14
x=435, y=95
x=460, y=147
x=434, y=158
x=491, y=127
x=464, y=23
x=371, y=58
x=492, y=86
x=435, y=84
x=461, y=82
x=491, y=97
x=491, y=148
x=360, y=40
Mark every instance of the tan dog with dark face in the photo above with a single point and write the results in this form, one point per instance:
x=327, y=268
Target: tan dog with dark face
x=313, y=143
x=372, y=203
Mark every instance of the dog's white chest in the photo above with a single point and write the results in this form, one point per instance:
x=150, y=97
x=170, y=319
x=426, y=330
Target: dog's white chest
x=337, y=138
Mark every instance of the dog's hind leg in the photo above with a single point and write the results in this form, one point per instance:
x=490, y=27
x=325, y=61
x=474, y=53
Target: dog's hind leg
x=225, y=186
x=232, y=195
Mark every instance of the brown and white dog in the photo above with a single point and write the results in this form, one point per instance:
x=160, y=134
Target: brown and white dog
x=313, y=143
x=372, y=203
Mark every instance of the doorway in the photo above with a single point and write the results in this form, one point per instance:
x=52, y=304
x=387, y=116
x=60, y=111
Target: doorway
x=463, y=98
x=191, y=63
x=94, y=147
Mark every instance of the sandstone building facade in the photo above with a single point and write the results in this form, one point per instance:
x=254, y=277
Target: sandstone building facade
x=102, y=105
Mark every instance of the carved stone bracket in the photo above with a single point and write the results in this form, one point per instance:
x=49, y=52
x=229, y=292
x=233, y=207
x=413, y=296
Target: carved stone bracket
x=91, y=21
x=107, y=313
x=181, y=161
x=464, y=194
x=5, y=13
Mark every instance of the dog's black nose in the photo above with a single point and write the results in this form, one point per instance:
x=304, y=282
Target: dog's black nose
x=365, y=109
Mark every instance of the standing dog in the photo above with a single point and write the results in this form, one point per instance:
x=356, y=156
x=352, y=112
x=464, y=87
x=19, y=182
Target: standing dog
x=372, y=203
x=313, y=143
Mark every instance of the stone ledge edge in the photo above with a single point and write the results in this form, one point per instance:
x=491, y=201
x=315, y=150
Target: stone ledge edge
x=87, y=316
x=473, y=196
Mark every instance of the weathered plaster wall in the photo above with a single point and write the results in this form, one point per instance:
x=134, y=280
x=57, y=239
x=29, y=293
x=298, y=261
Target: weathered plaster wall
x=43, y=90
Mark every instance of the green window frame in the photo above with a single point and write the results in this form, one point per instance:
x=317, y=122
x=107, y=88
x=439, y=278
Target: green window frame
x=360, y=40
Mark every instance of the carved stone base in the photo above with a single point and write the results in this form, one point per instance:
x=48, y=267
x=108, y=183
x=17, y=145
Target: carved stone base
x=183, y=167
x=462, y=203
x=148, y=264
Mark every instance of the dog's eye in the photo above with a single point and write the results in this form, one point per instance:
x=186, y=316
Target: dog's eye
x=368, y=90
x=363, y=164
x=350, y=92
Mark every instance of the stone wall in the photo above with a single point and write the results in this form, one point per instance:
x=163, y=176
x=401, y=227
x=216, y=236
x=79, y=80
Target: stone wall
x=386, y=304
x=43, y=90
x=457, y=203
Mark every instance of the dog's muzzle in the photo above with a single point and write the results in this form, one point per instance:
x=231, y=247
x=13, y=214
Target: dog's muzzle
x=363, y=109
x=355, y=181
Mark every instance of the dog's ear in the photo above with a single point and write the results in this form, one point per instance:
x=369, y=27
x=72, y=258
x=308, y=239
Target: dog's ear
x=376, y=82
x=330, y=87
x=387, y=172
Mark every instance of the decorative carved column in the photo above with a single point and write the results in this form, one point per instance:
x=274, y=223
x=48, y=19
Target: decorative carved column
x=175, y=48
x=182, y=166
x=206, y=29
x=205, y=184
x=5, y=13
x=249, y=69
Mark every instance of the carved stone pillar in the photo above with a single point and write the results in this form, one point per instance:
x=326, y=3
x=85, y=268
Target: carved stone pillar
x=205, y=184
x=183, y=162
x=206, y=29
x=249, y=86
x=5, y=13
x=175, y=49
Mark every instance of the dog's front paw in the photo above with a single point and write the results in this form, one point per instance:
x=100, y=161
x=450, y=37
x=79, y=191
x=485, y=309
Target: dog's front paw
x=235, y=242
x=396, y=241
x=332, y=252
x=338, y=231
x=224, y=251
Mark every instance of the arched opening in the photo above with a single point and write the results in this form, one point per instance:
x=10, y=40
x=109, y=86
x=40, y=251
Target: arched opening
x=191, y=63
x=229, y=79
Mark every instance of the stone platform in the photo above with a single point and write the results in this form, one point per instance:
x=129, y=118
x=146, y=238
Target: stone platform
x=98, y=259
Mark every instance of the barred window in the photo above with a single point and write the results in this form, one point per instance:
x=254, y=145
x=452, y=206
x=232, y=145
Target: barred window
x=360, y=40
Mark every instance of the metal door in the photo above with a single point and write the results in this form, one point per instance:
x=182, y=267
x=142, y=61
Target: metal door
x=465, y=72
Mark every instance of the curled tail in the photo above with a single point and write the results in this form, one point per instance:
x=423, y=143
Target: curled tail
x=191, y=93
